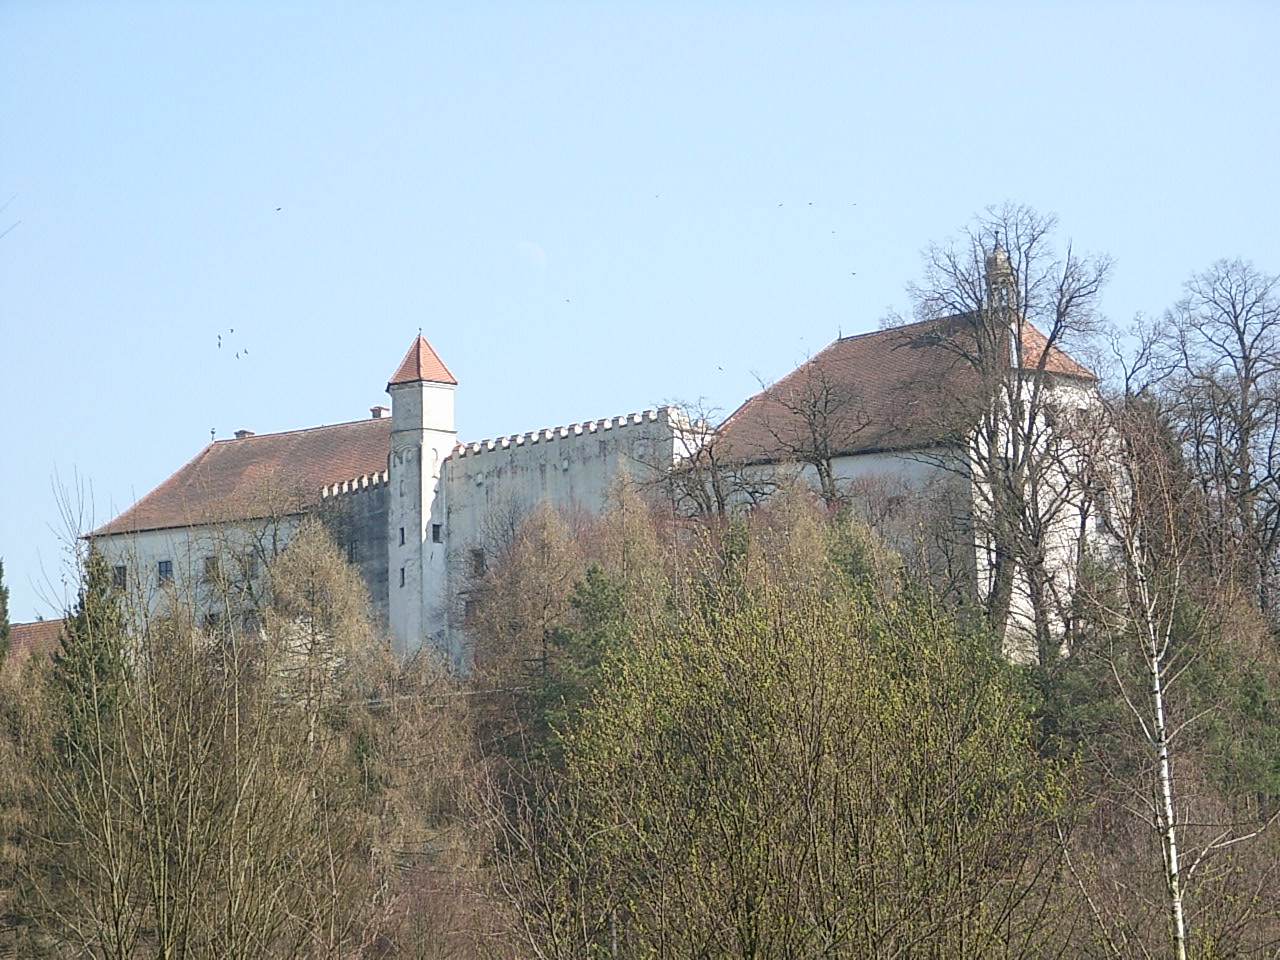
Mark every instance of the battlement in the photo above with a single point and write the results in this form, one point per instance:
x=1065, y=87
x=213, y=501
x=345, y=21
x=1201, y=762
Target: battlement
x=550, y=434
x=368, y=481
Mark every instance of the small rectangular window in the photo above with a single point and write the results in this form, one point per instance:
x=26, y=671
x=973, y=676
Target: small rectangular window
x=119, y=577
x=210, y=568
x=437, y=533
x=479, y=567
x=164, y=571
x=353, y=551
x=402, y=576
x=251, y=565
x=402, y=536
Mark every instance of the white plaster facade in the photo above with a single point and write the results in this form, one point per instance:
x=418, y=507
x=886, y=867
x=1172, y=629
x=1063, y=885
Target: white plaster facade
x=214, y=569
x=422, y=437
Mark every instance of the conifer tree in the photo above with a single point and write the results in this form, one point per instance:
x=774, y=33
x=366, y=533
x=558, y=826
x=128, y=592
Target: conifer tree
x=4, y=615
x=89, y=668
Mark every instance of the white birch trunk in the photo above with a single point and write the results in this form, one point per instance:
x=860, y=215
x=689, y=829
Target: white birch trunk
x=1168, y=823
x=1155, y=643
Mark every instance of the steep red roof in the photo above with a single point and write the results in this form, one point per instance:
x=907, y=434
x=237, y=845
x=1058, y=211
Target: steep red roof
x=1058, y=361
x=26, y=640
x=421, y=363
x=895, y=389
x=259, y=476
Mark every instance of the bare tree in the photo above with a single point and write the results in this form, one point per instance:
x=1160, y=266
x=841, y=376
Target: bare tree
x=1003, y=304
x=1220, y=376
x=812, y=417
x=217, y=790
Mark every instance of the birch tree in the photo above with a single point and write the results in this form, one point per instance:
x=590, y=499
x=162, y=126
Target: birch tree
x=1167, y=619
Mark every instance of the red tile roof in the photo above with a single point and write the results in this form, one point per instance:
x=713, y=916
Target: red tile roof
x=421, y=363
x=259, y=476
x=897, y=389
x=26, y=640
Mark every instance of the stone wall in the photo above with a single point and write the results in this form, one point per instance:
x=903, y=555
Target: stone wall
x=356, y=514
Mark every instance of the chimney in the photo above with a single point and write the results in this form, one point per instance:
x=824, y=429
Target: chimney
x=241, y=434
x=379, y=412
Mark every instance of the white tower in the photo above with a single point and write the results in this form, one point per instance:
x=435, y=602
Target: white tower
x=422, y=435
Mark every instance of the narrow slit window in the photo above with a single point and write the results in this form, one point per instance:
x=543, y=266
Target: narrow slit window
x=402, y=576
x=437, y=533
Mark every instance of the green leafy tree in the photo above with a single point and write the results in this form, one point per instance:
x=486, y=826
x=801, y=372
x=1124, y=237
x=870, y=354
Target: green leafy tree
x=797, y=762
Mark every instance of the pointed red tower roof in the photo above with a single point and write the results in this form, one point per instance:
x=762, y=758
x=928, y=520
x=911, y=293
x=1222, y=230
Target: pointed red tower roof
x=421, y=363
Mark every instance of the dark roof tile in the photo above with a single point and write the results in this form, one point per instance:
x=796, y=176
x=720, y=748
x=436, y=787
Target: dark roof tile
x=901, y=388
x=273, y=474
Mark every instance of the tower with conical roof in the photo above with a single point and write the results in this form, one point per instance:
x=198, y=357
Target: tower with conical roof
x=422, y=435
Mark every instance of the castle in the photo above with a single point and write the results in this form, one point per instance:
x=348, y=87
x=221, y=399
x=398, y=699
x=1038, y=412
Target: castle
x=417, y=511
x=413, y=507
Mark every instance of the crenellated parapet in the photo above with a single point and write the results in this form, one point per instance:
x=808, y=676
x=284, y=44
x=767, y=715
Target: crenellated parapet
x=361, y=484
x=552, y=434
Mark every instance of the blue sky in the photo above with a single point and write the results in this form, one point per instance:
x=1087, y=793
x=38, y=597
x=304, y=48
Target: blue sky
x=587, y=208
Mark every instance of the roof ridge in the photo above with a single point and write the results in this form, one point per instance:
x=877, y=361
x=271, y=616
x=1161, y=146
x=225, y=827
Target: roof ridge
x=872, y=333
x=281, y=433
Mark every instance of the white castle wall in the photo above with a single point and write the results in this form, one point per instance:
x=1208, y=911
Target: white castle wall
x=489, y=484
x=243, y=551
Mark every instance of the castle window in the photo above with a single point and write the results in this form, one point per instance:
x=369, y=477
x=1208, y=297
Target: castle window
x=210, y=568
x=437, y=533
x=402, y=536
x=119, y=577
x=251, y=565
x=402, y=576
x=479, y=567
x=353, y=551
x=164, y=571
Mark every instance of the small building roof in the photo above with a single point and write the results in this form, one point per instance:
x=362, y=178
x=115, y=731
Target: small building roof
x=41, y=638
x=421, y=363
x=902, y=388
x=272, y=474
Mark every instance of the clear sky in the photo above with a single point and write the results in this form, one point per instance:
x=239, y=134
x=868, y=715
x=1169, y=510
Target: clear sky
x=588, y=208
